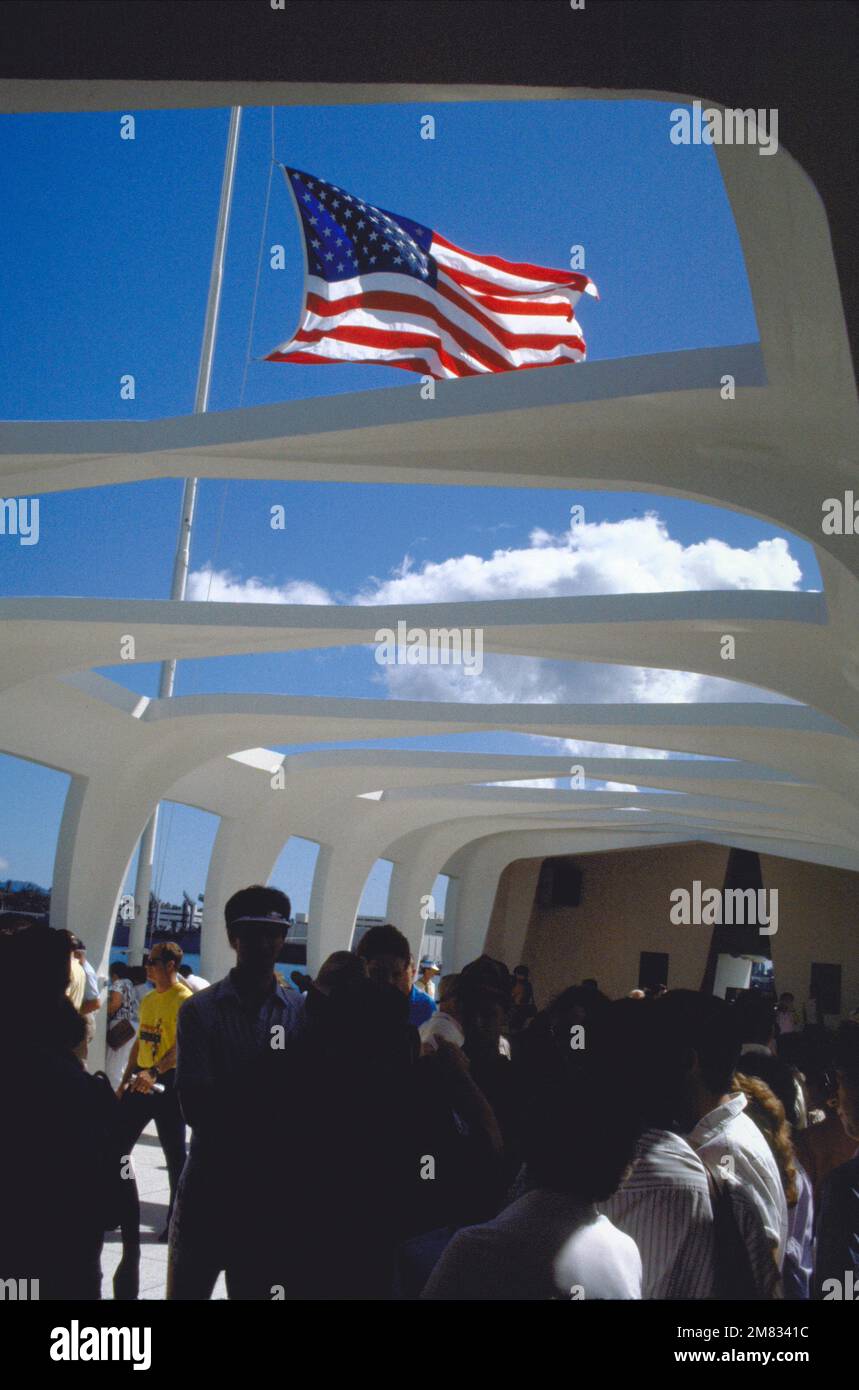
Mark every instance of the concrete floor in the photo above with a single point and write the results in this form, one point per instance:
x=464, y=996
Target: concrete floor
x=152, y=1185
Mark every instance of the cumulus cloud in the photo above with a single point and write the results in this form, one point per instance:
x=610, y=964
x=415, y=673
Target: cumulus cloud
x=220, y=586
x=634, y=555
x=528, y=680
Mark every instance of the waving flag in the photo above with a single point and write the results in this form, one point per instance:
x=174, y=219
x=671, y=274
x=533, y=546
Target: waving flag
x=382, y=288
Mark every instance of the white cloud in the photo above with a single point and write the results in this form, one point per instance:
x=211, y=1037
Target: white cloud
x=220, y=586
x=4, y=865
x=635, y=555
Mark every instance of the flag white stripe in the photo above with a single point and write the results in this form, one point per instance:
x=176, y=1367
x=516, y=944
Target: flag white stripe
x=398, y=320
x=393, y=320
x=519, y=284
x=349, y=352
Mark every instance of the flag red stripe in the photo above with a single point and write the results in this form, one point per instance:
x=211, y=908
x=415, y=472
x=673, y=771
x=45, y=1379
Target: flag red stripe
x=542, y=341
x=482, y=286
x=406, y=303
x=390, y=338
x=568, y=278
x=410, y=364
x=410, y=304
x=528, y=308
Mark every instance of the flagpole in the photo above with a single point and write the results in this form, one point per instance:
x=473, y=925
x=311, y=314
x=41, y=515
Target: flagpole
x=181, y=560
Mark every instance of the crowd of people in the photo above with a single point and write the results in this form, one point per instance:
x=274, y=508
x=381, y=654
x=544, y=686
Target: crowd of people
x=385, y=1132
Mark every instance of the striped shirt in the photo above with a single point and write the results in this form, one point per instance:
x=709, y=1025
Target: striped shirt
x=219, y=1035
x=665, y=1205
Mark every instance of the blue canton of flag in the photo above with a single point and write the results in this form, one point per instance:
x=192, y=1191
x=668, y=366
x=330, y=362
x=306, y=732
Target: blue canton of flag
x=345, y=237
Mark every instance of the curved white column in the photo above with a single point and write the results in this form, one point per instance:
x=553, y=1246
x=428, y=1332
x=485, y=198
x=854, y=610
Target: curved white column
x=245, y=852
x=102, y=821
x=418, y=859
x=338, y=882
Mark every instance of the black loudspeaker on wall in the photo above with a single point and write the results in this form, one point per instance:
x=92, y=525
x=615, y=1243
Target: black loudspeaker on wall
x=559, y=884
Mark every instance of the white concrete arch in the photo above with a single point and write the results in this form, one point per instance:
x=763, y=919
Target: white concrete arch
x=138, y=775
x=478, y=866
x=784, y=641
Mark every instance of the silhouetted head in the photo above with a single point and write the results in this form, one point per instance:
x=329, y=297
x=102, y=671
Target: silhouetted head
x=388, y=957
x=257, y=920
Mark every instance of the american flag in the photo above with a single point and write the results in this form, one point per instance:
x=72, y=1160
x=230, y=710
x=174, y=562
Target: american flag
x=382, y=288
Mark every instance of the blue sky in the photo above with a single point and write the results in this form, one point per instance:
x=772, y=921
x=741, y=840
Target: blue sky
x=107, y=270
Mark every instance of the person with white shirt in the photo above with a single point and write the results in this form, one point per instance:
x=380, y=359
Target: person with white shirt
x=445, y=1022
x=668, y=1202
x=428, y=977
x=194, y=982
x=552, y=1242
x=91, y=1002
x=710, y=1109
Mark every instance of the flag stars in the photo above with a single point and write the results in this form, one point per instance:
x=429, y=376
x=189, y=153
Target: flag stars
x=329, y=255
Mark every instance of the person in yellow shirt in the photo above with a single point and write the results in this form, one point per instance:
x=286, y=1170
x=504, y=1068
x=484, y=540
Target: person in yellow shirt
x=147, y=1090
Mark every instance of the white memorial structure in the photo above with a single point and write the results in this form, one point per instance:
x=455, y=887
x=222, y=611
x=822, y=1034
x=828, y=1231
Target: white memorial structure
x=781, y=779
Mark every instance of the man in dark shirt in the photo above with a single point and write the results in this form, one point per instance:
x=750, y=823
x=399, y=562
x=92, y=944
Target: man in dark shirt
x=228, y=1036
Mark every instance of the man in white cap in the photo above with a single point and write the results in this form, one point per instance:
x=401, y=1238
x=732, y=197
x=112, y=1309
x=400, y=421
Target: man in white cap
x=428, y=978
